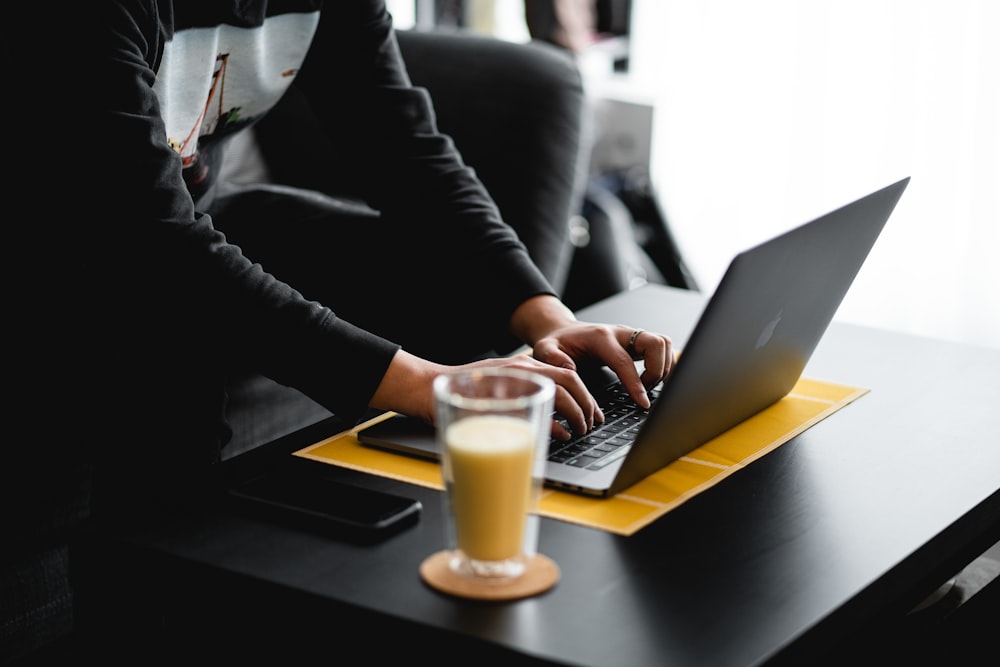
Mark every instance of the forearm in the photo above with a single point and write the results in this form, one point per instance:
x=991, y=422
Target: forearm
x=406, y=386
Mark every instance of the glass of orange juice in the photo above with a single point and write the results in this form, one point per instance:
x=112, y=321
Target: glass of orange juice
x=493, y=427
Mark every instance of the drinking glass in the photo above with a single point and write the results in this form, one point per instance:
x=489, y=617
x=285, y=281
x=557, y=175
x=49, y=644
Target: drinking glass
x=493, y=427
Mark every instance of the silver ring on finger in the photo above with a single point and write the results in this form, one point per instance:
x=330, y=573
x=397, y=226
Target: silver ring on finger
x=631, y=343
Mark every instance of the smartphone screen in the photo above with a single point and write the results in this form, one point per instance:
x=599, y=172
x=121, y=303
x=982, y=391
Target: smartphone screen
x=320, y=502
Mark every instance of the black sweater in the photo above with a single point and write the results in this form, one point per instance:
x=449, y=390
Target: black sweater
x=133, y=298
x=382, y=126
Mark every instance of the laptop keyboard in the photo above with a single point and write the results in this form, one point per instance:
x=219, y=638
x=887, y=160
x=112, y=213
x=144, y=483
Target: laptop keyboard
x=605, y=442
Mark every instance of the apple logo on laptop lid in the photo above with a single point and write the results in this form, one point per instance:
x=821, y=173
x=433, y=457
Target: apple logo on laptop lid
x=768, y=331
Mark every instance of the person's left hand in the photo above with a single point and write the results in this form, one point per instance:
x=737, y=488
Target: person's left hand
x=616, y=345
x=558, y=339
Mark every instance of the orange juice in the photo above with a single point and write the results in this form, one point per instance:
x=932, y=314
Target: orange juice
x=491, y=484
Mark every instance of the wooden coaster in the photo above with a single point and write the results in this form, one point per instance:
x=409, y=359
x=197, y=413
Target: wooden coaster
x=541, y=574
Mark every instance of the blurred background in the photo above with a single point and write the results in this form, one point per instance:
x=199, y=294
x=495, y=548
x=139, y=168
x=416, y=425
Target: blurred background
x=751, y=118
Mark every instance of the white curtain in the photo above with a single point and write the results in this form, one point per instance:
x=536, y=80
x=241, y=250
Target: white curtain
x=770, y=113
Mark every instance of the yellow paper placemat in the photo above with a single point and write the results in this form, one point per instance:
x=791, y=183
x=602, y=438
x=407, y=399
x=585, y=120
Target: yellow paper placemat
x=809, y=402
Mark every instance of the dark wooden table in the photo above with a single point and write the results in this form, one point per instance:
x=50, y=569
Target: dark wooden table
x=789, y=561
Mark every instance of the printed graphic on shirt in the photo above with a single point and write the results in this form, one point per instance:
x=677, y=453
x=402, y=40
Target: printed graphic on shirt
x=212, y=81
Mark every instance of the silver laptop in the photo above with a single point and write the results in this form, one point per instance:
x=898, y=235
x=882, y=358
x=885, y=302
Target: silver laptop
x=746, y=352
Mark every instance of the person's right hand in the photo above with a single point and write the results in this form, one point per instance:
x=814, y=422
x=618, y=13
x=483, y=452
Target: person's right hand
x=407, y=388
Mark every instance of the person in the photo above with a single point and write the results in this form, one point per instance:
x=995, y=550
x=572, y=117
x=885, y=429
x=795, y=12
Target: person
x=170, y=274
x=309, y=290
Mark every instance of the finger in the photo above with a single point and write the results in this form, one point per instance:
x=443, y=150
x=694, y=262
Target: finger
x=627, y=347
x=656, y=353
x=648, y=348
x=573, y=401
x=560, y=431
x=548, y=352
x=577, y=407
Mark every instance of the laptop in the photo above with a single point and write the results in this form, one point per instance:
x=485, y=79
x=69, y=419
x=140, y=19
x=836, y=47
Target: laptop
x=748, y=349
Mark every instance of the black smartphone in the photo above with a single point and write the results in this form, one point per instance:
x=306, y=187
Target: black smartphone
x=315, y=501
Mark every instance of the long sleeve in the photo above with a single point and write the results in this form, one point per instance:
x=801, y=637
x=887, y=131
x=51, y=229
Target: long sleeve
x=190, y=290
x=385, y=130
x=192, y=294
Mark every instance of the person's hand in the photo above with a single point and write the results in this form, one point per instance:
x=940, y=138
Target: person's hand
x=407, y=388
x=558, y=339
x=573, y=400
x=615, y=345
x=560, y=342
